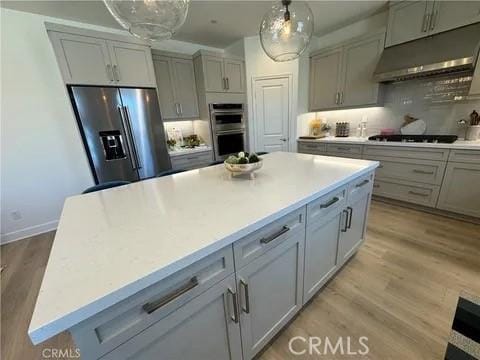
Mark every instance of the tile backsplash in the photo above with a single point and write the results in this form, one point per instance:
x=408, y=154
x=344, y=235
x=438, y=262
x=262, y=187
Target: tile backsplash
x=438, y=101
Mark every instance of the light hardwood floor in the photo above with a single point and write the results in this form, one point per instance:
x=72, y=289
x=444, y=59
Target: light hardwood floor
x=400, y=290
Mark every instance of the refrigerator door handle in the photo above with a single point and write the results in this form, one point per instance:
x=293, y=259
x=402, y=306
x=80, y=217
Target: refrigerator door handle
x=127, y=138
x=130, y=134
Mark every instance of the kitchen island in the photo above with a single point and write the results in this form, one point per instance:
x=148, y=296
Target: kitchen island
x=146, y=268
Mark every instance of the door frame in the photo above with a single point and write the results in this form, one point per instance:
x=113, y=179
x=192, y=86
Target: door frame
x=252, y=124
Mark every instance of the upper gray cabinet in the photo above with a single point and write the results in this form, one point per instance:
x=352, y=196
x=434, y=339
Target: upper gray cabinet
x=218, y=74
x=89, y=60
x=342, y=76
x=176, y=86
x=410, y=20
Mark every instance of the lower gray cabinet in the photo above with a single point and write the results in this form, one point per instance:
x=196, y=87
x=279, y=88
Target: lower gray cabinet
x=353, y=226
x=460, y=191
x=205, y=328
x=321, y=252
x=270, y=293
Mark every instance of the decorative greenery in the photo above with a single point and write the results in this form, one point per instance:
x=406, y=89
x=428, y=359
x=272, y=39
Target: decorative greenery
x=171, y=142
x=243, y=158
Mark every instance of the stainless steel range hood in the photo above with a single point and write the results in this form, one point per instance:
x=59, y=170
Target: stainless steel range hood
x=451, y=51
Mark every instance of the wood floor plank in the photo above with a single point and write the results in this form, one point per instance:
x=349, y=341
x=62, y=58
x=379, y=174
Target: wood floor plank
x=400, y=290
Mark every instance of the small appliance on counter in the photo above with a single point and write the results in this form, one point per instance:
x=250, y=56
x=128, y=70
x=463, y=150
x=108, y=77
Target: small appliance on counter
x=473, y=129
x=342, y=129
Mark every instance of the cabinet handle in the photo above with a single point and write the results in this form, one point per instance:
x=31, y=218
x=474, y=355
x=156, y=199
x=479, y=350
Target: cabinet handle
x=364, y=182
x=343, y=148
x=350, y=214
x=176, y=109
x=234, y=317
x=270, y=238
x=337, y=95
x=155, y=305
x=181, y=109
x=423, y=172
x=426, y=23
x=418, y=194
x=224, y=84
x=245, y=309
x=341, y=97
x=433, y=20
x=109, y=72
x=116, y=73
x=228, y=83
x=346, y=221
x=330, y=203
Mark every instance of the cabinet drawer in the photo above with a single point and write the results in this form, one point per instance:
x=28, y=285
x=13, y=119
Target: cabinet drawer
x=344, y=149
x=351, y=156
x=113, y=326
x=317, y=209
x=311, y=148
x=191, y=161
x=262, y=240
x=426, y=195
x=465, y=156
x=422, y=171
x=359, y=187
x=406, y=152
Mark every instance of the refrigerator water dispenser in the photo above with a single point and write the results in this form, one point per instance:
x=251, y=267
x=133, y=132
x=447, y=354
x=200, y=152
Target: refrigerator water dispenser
x=112, y=145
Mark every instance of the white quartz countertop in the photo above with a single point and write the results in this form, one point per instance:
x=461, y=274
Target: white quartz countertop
x=459, y=144
x=113, y=243
x=186, y=151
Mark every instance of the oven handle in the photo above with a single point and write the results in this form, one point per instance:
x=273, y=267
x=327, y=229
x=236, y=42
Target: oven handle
x=230, y=132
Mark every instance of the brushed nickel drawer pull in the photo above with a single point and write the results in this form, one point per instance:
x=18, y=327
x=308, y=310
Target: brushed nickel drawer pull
x=423, y=172
x=268, y=239
x=245, y=309
x=417, y=193
x=155, y=305
x=344, y=148
x=364, y=182
x=330, y=203
x=234, y=317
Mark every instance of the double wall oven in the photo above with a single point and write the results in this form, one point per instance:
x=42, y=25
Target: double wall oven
x=228, y=129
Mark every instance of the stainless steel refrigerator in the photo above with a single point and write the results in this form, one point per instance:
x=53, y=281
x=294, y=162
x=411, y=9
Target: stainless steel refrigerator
x=122, y=132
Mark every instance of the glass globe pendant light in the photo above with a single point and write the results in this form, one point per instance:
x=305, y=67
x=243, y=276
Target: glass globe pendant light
x=286, y=30
x=149, y=19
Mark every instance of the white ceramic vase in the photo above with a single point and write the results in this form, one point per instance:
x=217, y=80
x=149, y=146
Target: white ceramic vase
x=473, y=132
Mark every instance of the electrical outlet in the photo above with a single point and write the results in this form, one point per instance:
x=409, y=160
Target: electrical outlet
x=16, y=215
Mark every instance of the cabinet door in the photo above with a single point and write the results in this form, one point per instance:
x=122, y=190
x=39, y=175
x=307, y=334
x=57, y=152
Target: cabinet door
x=320, y=252
x=325, y=72
x=270, y=292
x=166, y=92
x=132, y=64
x=448, y=15
x=185, y=88
x=204, y=329
x=83, y=60
x=359, y=62
x=460, y=192
x=407, y=21
x=234, y=75
x=214, y=73
x=352, y=227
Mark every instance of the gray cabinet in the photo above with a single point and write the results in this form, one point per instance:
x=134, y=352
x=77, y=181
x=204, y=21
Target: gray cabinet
x=87, y=60
x=354, y=219
x=219, y=74
x=176, y=87
x=270, y=293
x=324, y=218
x=410, y=20
x=341, y=77
x=205, y=328
x=192, y=161
x=460, y=191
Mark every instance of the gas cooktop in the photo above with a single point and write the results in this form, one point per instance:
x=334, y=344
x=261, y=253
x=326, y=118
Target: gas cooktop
x=446, y=139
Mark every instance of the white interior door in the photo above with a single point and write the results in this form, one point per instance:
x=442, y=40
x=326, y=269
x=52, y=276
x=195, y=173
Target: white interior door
x=272, y=114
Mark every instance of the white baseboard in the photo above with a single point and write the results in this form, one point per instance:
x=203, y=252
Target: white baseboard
x=27, y=232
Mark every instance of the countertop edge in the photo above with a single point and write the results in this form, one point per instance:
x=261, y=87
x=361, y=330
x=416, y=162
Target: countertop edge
x=46, y=331
x=392, y=143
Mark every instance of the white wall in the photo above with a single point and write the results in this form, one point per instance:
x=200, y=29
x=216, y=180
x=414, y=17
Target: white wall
x=42, y=156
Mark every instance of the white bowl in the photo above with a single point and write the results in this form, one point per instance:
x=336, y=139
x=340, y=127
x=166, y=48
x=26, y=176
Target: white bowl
x=236, y=169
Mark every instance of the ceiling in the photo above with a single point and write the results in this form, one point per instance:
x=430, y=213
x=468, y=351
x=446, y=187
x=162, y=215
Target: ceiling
x=234, y=19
